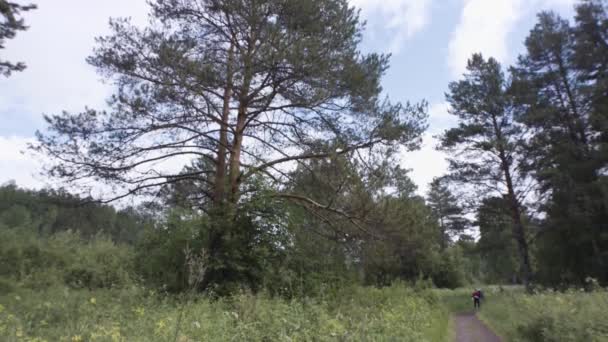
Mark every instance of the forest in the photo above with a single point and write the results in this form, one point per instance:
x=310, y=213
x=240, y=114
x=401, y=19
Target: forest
x=243, y=183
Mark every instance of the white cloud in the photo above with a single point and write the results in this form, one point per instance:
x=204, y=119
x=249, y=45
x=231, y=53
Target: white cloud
x=439, y=118
x=426, y=163
x=19, y=166
x=400, y=18
x=60, y=37
x=485, y=27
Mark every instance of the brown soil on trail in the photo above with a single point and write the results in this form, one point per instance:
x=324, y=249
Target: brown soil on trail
x=470, y=329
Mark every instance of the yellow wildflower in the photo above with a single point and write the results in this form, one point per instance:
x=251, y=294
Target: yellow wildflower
x=76, y=338
x=93, y=300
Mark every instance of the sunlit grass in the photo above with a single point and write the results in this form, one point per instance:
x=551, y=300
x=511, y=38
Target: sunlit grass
x=515, y=315
x=397, y=313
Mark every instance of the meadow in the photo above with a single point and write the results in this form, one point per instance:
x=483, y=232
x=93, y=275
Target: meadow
x=395, y=313
x=545, y=315
x=63, y=289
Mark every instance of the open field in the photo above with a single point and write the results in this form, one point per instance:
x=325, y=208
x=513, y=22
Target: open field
x=573, y=315
x=396, y=313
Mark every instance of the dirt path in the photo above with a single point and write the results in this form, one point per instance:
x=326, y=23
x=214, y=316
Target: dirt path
x=470, y=329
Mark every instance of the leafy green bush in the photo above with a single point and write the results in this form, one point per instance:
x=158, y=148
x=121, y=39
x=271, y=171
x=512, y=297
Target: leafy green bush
x=449, y=269
x=100, y=264
x=63, y=258
x=160, y=258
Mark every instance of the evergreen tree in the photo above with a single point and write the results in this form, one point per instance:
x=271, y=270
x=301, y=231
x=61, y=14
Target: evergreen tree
x=486, y=142
x=559, y=88
x=446, y=209
x=496, y=245
x=11, y=23
x=247, y=85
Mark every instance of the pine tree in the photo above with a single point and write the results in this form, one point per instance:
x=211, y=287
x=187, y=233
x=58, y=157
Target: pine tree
x=247, y=85
x=485, y=144
x=447, y=210
x=11, y=23
x=559, y=85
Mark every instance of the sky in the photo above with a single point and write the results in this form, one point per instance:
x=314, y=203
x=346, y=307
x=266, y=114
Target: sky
x=429, y=41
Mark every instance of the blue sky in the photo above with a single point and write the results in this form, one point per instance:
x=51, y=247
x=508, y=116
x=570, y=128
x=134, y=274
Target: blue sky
x=429, y=40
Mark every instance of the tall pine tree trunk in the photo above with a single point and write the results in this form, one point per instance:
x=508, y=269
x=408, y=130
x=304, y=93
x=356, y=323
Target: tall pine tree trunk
x=220, y=172
x=519, y=235
x=519, y=230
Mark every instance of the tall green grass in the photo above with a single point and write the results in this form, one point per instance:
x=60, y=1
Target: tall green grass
x=549, y=316
x=396, y=313
x=545, y=316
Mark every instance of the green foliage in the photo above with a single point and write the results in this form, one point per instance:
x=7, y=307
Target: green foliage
x=449, y=271
x=495, y=245
x=237, y=65
x=133, y=314
x=16, y=216
x=486, y=144
x=560, y=85
x=309, y=263
x=446, y=209
x=573, y=315
x=63, y=259
x=160, y=254
x=52, y=211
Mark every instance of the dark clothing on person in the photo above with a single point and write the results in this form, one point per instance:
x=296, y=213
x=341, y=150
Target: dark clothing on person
x=477, y=296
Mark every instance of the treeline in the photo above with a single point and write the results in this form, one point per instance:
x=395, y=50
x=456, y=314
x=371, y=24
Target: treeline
x=50, y=236
x=48, y=212
x=531, y=145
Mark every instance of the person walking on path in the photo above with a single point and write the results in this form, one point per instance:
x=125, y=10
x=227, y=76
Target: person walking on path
x=477, y=296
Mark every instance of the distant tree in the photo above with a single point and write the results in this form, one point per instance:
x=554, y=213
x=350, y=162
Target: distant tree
x=496, y=246
x=11, y=23
x=485, y=144
x=447, y=210
x=47, y=212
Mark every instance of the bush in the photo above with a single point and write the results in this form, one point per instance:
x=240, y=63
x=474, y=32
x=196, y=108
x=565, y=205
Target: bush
x=160, y=257
x=38, y=263
x=101, y=264
x=449, y=270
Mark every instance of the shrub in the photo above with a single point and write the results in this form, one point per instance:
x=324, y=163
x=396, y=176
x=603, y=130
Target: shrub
x=101, y=264
x=38, y=263
x=160, y=257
